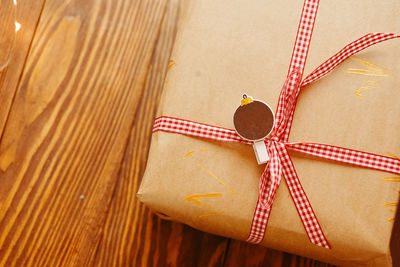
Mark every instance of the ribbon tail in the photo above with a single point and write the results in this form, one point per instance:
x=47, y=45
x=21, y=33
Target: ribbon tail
x=349, y=156
x=261, y=213
x=303, y=206
x=269, y=184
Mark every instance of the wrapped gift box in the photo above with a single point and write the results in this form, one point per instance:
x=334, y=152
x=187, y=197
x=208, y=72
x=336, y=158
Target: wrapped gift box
x=229, y=47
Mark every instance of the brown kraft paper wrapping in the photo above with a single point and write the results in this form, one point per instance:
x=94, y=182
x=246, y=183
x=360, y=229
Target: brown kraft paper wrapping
x=227, y=48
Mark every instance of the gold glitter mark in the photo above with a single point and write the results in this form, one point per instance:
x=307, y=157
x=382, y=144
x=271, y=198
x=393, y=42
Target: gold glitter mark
x=189, y=154
x=362, y=89
x=171, y=64
x=216, y=178
x=372, y=82
x=196, y=197
x=197, y=200
x=393, y=204
x=372, y=69
x=391, y=179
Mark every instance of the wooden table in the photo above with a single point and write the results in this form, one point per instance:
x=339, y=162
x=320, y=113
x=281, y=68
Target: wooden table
x=79, y=86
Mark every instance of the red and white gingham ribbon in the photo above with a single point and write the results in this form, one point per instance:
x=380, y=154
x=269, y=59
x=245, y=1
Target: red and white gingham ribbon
x=278, y=145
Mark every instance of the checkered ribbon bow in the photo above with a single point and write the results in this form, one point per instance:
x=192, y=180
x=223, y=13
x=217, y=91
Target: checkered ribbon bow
x=280, y=163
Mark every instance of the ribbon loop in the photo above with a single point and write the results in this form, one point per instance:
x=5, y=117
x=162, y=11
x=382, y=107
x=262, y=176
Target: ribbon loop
x=286, y=104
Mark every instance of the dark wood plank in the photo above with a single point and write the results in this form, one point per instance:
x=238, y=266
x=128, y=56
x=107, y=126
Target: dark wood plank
x=245, y=254
x=395, y=238
x=69, y=125
x=14, y=47
x=133, y=236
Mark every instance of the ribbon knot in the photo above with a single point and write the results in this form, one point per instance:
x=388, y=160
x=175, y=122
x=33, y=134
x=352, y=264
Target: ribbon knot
x=271, y=177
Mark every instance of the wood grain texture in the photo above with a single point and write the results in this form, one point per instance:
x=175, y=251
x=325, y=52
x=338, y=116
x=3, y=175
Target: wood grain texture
x=76, y=140
x=68, y=128
x=14, y=47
